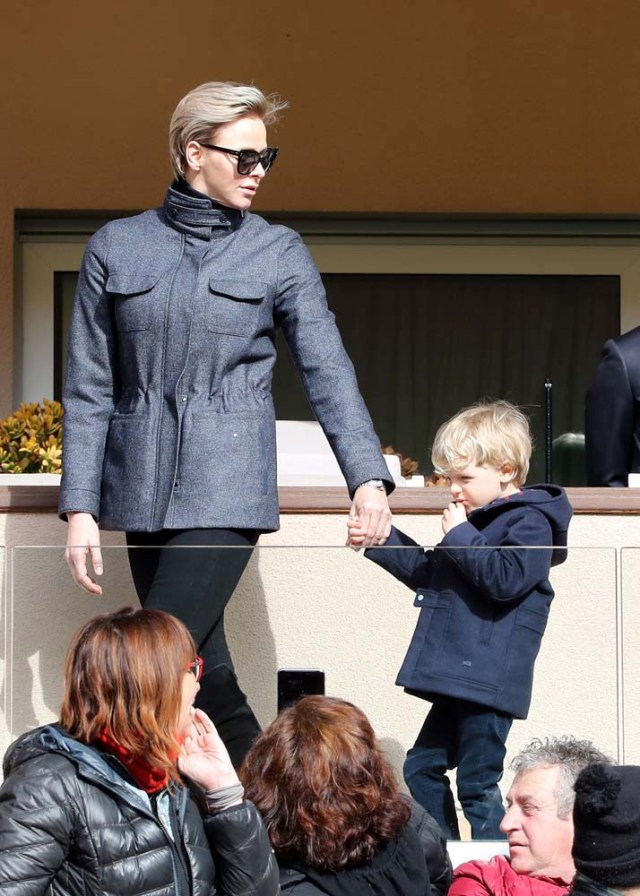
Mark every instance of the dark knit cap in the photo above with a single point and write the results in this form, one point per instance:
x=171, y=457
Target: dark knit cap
x=606, y=816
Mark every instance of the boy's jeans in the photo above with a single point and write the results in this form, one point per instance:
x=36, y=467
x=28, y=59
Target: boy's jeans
x=469, y=737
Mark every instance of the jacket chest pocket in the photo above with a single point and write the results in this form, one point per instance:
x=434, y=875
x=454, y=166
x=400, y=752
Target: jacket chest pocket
x=134, y=300
x=234, y=306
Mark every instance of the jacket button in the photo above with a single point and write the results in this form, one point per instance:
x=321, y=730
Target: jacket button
x=421, y=597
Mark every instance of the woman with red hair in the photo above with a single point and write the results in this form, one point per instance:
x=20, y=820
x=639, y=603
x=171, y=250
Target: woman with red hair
x=330, y=802
x=99, y=804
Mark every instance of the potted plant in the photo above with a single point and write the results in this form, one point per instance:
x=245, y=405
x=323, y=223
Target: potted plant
x=31, y=442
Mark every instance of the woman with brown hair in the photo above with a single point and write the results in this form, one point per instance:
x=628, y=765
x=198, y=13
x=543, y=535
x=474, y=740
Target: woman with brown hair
x=99, y=803
x=331, y=805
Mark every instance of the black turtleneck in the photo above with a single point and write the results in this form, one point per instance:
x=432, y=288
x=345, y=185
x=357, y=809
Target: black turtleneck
x=194, y=213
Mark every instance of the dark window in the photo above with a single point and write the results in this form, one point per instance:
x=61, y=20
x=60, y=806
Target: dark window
x=64, y=287
x=426, y=345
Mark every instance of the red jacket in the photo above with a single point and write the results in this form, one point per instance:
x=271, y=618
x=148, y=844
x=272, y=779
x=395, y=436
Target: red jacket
x=496, y=878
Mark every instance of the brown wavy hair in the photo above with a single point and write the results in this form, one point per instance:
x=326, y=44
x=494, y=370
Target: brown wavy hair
x=328, y=796
x=124, y=673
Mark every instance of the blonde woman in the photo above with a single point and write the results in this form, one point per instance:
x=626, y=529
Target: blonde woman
x=169, y=427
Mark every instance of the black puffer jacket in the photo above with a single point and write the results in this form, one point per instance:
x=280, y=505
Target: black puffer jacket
x=415, y=864
x=70, y=825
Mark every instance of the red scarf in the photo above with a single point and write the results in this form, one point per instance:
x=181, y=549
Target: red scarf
x=146, y=776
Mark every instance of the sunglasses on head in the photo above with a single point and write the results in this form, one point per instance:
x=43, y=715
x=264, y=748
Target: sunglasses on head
x=248, y=159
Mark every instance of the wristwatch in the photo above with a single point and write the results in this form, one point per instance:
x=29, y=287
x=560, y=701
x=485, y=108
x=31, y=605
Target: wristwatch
x=374, y=483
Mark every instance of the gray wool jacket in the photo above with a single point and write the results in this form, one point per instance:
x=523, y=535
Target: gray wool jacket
x=169, y=420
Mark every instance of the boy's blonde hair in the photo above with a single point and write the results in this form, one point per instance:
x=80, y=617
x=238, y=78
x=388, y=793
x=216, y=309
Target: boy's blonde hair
x=489, y=434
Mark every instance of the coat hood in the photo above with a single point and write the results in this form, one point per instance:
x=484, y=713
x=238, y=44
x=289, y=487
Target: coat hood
x=550, y=500
x=47, y=739
x=90, y=762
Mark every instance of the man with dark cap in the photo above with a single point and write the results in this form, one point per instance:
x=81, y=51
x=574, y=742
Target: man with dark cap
x=606, y=816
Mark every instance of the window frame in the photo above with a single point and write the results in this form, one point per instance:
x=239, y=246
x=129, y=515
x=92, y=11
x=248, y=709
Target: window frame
x=344, y=244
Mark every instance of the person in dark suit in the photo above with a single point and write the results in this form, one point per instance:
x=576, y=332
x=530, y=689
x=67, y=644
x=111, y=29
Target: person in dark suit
x=612, y=413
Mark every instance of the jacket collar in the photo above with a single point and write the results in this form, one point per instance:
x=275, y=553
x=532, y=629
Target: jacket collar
x=191, y=212
x=95, y=767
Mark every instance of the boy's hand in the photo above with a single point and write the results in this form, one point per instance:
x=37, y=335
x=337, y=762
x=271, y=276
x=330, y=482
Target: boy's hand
x=453, y=515
x=355, y=534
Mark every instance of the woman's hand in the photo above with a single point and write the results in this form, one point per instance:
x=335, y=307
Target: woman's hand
x=370, y=511
x=83, y=537
x=204, y=758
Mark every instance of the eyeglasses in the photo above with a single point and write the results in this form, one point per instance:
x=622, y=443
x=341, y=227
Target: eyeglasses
x=196, y=667
x=249, y=159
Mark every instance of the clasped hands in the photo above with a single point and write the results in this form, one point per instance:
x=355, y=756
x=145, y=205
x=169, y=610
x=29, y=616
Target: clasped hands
x=369, y=521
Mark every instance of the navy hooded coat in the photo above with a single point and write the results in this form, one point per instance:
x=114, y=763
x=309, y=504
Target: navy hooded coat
x=484, y=596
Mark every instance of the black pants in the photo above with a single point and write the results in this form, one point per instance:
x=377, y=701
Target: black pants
x=192, y=574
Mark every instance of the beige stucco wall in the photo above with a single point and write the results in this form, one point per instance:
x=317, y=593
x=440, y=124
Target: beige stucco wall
x=323, y=606
x=417, y=106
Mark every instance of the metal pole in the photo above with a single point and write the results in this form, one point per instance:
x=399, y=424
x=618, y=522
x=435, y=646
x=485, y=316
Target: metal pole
x=548, y=431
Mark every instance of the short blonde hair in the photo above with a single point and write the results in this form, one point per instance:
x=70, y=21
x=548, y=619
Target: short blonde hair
x=210, y=105
x=487, y=434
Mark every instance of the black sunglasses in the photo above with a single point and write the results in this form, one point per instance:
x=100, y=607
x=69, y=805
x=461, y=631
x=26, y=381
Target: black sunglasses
x=248, y=159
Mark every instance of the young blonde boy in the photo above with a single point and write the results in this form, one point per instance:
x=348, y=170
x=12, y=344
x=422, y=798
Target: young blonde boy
x=484, y=598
